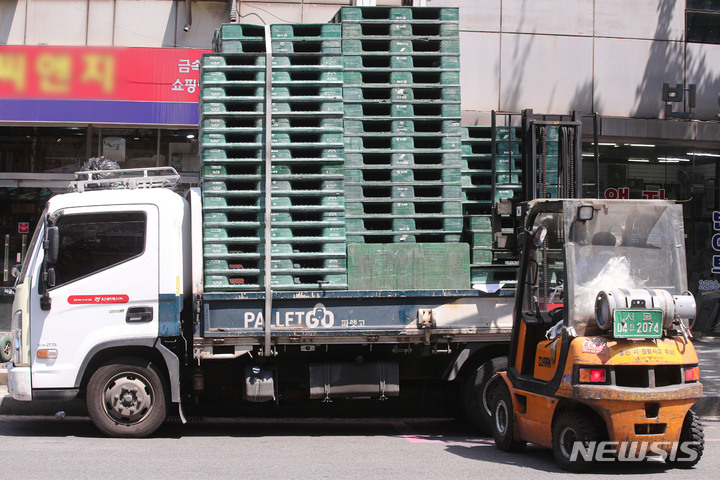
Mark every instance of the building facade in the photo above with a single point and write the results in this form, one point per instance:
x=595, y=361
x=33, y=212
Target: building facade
x=643, y=75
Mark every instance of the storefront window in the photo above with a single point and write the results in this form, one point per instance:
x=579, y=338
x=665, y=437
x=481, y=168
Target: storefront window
x=702, y=21
x=64, y=149
x=685, y=174
x=39, y=161
x=140, y=148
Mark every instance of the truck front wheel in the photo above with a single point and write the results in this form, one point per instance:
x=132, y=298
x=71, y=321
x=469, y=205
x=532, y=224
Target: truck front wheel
x=126, y=398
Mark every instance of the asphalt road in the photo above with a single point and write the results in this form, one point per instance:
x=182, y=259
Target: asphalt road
x=44, y=447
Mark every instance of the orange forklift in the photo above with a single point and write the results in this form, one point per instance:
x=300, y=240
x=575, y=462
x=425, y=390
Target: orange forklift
x=601, y=366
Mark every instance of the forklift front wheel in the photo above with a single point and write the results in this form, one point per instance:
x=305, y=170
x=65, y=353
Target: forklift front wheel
x=503, y=420
x=569, y=430
x=692, y=443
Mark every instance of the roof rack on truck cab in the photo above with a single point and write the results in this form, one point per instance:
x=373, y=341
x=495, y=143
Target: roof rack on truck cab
x=130, y=178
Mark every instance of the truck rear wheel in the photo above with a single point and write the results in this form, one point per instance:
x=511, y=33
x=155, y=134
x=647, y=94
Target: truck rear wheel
x=475, y=407
x=569, y=430
x=126, y=398
x=692, y=443
x=503, y=421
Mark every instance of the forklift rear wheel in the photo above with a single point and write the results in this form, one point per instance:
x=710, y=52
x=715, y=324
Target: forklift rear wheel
x=475, y=406
x=692, y=431
x=569, y=429
x=503, y=421
x=126, y=398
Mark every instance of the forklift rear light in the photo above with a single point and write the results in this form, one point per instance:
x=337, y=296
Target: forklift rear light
x=692, y=374
x=593, y=375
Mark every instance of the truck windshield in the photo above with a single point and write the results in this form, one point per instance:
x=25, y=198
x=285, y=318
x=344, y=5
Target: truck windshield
x=627, y=244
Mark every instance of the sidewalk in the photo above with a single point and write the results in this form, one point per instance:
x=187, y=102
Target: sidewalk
x=708, y=350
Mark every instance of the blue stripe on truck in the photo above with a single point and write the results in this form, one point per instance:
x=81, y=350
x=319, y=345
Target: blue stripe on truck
x=169, y=307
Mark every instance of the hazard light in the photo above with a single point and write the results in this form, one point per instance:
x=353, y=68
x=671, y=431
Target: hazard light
x=47, y=353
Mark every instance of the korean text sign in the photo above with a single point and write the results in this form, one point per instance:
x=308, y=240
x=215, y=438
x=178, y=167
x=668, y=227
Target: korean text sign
x=97, y=74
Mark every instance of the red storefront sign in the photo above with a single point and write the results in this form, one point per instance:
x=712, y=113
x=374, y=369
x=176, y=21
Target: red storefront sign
x=37, y=82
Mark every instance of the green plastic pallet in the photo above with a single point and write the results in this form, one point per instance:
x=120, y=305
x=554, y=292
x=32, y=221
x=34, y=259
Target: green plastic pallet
x=382, y=14
x=408, y=266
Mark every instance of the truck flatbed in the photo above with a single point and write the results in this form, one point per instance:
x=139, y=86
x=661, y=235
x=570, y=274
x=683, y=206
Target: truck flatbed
x=391, y=316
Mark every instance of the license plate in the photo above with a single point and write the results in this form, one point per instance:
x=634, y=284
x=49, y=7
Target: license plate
x=637, y=323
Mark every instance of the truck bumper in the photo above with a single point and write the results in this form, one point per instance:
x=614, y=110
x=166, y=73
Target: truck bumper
x=19, y=385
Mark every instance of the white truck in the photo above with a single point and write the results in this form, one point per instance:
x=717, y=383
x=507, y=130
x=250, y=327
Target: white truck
x=109, y=305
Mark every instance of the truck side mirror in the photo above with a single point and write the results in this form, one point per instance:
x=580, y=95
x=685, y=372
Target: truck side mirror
x=15, y=271
x=52, y=245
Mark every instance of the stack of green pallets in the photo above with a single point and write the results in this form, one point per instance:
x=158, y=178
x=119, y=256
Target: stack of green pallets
x=491, y=173
x=306, y=152
x=232, y=112
x=308, y=223
x=402, y=124
x=366, y=148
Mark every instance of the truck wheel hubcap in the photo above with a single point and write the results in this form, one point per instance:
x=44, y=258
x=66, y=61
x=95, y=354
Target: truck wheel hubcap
x=128, y=398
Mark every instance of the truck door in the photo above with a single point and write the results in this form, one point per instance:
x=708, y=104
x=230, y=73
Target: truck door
x=106, y=289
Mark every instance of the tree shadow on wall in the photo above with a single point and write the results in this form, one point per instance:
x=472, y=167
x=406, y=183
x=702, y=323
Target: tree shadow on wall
x=672, y=62
x=7, y=15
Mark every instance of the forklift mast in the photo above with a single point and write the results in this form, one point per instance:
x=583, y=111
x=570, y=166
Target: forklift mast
x=542, y=177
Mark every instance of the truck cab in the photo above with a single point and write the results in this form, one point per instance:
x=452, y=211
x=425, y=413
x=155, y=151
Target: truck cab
x=601, y=349
x=105, y=278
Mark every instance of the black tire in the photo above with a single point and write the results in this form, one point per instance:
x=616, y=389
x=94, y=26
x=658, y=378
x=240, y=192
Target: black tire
x=143, y=406
x=503, y=421
x=692, y=431
x=5, y=348
x=569, y=428
x=474, y=399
